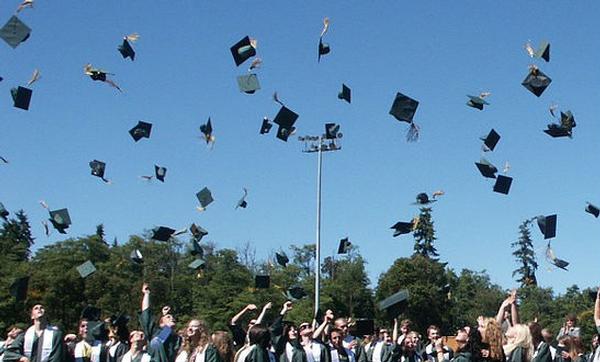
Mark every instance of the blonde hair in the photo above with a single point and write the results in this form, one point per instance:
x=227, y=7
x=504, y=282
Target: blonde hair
x=522, y=338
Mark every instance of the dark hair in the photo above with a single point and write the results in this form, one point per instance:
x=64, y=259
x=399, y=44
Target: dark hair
x=474, y=344
x=431, y=327
x=572, y=317
x=259, y=335
x=337, y=330
x=536, y=333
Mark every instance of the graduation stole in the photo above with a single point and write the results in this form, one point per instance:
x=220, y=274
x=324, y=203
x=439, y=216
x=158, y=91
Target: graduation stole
x=47, y=336
x=143, y=357
x=85, y=352
x=335, y=356
x=161, y=337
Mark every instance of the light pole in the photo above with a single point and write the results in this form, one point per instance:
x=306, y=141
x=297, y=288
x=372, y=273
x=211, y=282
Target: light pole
x=319, y=144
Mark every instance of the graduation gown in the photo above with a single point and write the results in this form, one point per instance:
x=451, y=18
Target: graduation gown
x=48, y=347
x=163, y=343
x=140, y=357
x=116, y=351
x=382, y=349
x=430, y=354
x=238, y=335
x=210, y=354
x=517, y=355
x=542, y=353
x=316, y=352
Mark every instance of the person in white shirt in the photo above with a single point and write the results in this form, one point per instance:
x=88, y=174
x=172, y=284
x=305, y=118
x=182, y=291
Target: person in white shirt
x=136, y=353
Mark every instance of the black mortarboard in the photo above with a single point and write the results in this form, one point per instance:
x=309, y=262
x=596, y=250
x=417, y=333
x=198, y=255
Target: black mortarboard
x=98, y=168
x=486, y=168
x=197, y=264
x=547, y=225
x=162, y=233
x=502, y=184
x=18, y=288
x=554, y=260
x=248, y=83
x=344, y=246
x=345, y=94
x=136, y=256
x=160, y=172
x=3, y=212
x=543, y=51
x=282, y=259
x=141, y=130
x=86, y=269
x=198, y=232
x=423, y=199
x=363, y=327
x=404, y=108
x=242, y=51
x=21, y=97
x=476, y=102
x=491, y=140
x=197, y=250
x=126, y=50
x=204, y=197
x=395, y=304
x=402, y=228
x=262, y=281
x=91, y=313
x=207, y=130
x=323, y=49
x=14, y=32
x=567, y=120
x=332, y=131
x=594, y=210
x=536, y=81
x=295, y=293
x=242, y=202
x=265, y=126
x=120, y=321
x=285, y=118
x=556, y=131
x=60, y=219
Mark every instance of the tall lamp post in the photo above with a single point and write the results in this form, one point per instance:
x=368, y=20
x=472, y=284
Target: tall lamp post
x=327, y=142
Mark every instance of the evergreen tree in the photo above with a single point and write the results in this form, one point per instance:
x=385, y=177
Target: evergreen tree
x=525, y=256
x=424, y=235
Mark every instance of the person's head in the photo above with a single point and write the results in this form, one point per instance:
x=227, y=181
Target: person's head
x=518, y=336
x=196, y=333
x=384, y=335
x=224, y=344
x=595, y=340
x=119, y=332
x=409, y=344
x=13, y=331
x=336, y=336
x=547, y=335
x=405, y=326
x=137, y=340
x=82, y=328
x=571, y=320
x=461, y=339
x=491, y=333
x=305, y=330
x=576, y=348
x=166, y=320
x=433, y=333
x=415, y=336
x=251, y=323
x=341, y=324
x=260, y=336
x=38, y=312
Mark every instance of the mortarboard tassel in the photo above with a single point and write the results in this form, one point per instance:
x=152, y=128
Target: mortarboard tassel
x=132, y=37
x=3, y=159
x=34, y=77
x=412, y=134
x=25, y=4
x=46, y=228
x=256, y=63
x=529, y=49
x=276, y=99
x=325, y=26
x=437, y=193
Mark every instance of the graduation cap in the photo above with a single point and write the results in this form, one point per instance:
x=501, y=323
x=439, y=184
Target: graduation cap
x=18, y=288
x=162, y=233
x=141, y=130
x=60, y=219
x=324, y=49
x=14, y=32
x=21, y=97
x=207, y=131
x=242, y=202
x=160, y=173
x=197, y=250
x=242, y=51
x=547, y=225
x=91, y=313
x=502, y=184
x=126, y=50
x=556, y=131
x=594, y=210
x=248, y=83
x=99, y=75
x=197, y=264
x=204, y=197
x=98, y=168
x=136, y=256
x=86, y=269
x=3, y=212
x=344, y=246
x=285, y=118
x=198, y=232
x=403, y=228
x=295, y=293
x=345, y=94
x=542, y=52
x=536, y=81
x=395, y=304
x=120, y=321
x=491, y=140
x=332, y=131
x=265, y=126
x=282, y=259
x=363, y=327
x=423, y=199
x=262, y=281
x=554, y=260
x=486, y=168
x=477, y=102
x=404, y=108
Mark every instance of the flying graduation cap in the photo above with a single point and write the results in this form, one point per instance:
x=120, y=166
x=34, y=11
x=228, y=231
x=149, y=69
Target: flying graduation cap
x=3, y=212
x=100, y=75
x=423, y=199
x=344, y=246
x=395, y=304
x=503, y=184
x=592, y=209
x=243, y=50
x=160, y=172
x=205, y=198
x=262, y=281
x=98, y=169
x=162, y=233
x=536, y=81
x=207, y=132
x=403, y=109
x=136, y=256
x=324, y=48
x=86, y=269
x=21, y=97
x=486, y=168
x=542, y=52
x=242, y=202
x=125, y=48
x=295, y=293
x=265, y=126
x=248, y=83
x=345, y=94
x=282, y=259
x=478, y=101
x=285, y=119
x=490, y=141
x=402, y=227
x=547, y=225
x=60, y=220
x=332, y=131
x=198, y=232
x=141, y=130
x=197, y=250
x=559, y=263
x=564, y=128
x=14, y=32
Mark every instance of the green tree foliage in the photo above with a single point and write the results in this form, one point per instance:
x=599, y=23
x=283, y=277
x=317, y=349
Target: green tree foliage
x=525, y=256
x=424, y=235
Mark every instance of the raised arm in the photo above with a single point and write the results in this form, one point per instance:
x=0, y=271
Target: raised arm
x=500, y=315
x=395, y=331
x=597, y=310
x=514, y=311
x=261, y=316
x=319, y=330
x=241, y=313
x=145, y=297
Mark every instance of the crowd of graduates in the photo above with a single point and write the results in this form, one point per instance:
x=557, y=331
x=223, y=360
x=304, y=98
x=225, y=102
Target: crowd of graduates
x=329, y=339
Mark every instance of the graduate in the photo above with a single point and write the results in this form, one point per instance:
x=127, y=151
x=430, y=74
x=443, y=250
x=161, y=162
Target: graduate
x=462, y=353
x=41, y=342
x=285, y=338
x=541, y=349
x=224, y=344
x=257, y=350
x=240, y=337
x=429, y=353
x=90, y=347
x=163, y=342
x=338, y=352
x=196, y=345
x=314, y=348
x=118, y=338
x=13, y=332
x=136, y=353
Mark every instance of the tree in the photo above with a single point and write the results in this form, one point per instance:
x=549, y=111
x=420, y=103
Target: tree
x=424, y=235
x=16, y=239
x=525, y=255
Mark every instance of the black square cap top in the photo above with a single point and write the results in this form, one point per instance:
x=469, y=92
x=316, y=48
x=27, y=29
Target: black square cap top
x=197, y=250
x=345, y=94
x=344, y=246
x=285, y=118
x=543, y=51
x=295, y=293
x=204, y=197
x=242, y=202
x=402, y=227
x=14, y=32
x=248, y=83
x=3, y=212
x=395, y=304
x=502, y=184
x=536, y=81
x=160, y=172
x=555, y=131
x=547, y=225
x=363, y=327
x=86, y=269
x=476, y=102
x=91, y=313
x=332, y=131
x=266, y=126
x=323, y=49
x=423, y=199
x=282, y=259
x=262, y=282
x=126, y=50
x=141, y=130
x=567, y=120
x=207, y=130
x=197, y=264
x=98, y=168
x=60, y=219
x=242, y=51
x=21, y=97
x=162, y=233
x=563, y=264
x=198, y=232
x=404, y=108
x=491, y=140
x=592, y=209
x=18, y=288
x=486, y=168
x=136, y=256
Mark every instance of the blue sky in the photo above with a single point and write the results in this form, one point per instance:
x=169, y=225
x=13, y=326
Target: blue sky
x=433, y=51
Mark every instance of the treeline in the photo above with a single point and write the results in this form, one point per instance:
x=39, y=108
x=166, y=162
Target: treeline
x=438, y=295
